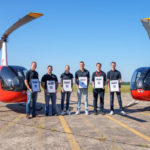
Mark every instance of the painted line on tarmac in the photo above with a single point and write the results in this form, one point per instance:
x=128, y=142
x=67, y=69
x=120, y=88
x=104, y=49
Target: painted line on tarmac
x=102, y=137
x=147, y=114
x=73, y=143
x=11, y=123
x=128, y=128
x=71, y=138
x=40, y=129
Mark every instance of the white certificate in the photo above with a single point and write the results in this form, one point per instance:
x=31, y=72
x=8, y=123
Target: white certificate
x=35, y=85
x=51, y=87
x=99, y=82
x=114, y=86
x=67, y=85
x=82, y=82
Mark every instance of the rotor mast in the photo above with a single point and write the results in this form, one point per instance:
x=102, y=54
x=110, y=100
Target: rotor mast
x=4, y=61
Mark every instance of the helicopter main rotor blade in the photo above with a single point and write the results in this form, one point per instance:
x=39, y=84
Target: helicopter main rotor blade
x=29, y=17
x=146, y=24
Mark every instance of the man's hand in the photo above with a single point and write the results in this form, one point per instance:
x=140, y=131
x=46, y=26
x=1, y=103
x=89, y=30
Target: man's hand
x=78, y=87
x=56, y=90
x=108, y=89
x=119, y=89
x=45, y=90
x=62, y=90
x=30, y=90
x=71, y=90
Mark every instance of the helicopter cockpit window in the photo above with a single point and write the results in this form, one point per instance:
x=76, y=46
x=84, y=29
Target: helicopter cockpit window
x=147, y=81
x=137, y=79
x=12, y=78
x=140, y=74
x=134, y=76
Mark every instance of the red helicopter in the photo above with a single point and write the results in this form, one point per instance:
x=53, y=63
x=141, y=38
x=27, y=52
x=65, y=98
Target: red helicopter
x=140, y=82
x=12, y=87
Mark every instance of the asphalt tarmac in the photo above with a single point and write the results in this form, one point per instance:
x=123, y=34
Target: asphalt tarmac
x=76, y=132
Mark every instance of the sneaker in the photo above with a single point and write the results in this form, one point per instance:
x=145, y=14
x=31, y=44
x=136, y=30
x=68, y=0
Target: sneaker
x=62, y=113
x=78, y=112
x=68, y=112
x=111, y=112
x=86, y=112
x=123, y=113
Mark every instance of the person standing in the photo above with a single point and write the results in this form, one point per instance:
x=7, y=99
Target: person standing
x=114, y=86
x=98, y=83
x=49, y=83
x=31, y=95
x=82, y=79
x=66, y=89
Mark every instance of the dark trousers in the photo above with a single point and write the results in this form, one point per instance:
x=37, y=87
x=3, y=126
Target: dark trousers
x=112, y=100
x=63, y=95
x=101, y=93
x=51, y=96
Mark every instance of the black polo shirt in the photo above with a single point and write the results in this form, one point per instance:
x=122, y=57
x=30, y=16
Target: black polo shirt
x=79, y=73
x=114, y=75
x=98, y=74
x=31, y=75
x=66, y=76
x=48, y=77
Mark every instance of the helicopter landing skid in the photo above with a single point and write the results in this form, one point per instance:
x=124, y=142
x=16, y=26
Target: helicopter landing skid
x=132, y=103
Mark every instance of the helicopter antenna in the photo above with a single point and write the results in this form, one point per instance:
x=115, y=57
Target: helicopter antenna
x=3, y=41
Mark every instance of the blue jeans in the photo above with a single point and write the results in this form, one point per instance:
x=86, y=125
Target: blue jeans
x=31, y=97
x=51, y=96
x=112, y=100
x=63, y=94
x=79, y=94
x=99, y=92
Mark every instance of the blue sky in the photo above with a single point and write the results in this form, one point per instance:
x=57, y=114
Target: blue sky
x=74, y=30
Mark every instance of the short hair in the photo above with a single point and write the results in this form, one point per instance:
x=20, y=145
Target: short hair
x=49, y=66
x=67, y=66
x=82, y=62
x=34, y=62
x=113, y=62
x=98, y=64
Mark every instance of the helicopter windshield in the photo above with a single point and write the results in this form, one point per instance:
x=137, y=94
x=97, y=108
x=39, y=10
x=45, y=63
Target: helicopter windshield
x=140, y=79
x=12, y=78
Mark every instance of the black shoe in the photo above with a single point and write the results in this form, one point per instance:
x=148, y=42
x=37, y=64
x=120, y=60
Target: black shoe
x=46, y=114
x=33, y=116
x=102, y=113
x=55, y=114
x=95, y=112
